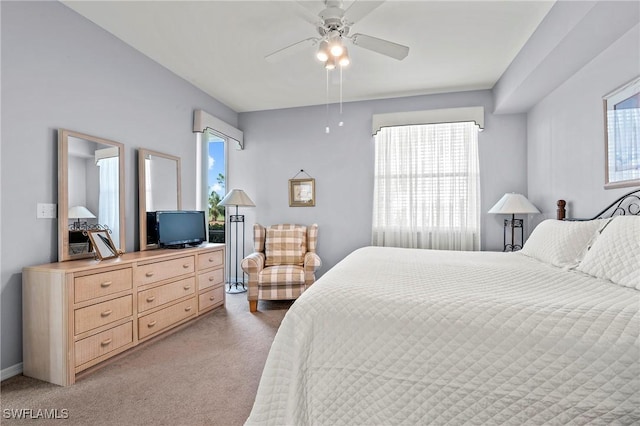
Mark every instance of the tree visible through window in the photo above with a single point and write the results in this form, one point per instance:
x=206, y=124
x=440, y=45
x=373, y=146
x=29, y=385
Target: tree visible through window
x=427, y=187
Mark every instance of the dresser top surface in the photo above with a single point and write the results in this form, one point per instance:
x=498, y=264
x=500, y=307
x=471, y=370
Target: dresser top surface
x=126, y=259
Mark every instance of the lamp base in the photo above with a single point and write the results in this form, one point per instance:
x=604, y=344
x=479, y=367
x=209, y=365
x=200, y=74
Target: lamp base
x=511, y=226
x=234, y=287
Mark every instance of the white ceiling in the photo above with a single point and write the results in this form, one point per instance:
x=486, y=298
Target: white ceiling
x=219, y=46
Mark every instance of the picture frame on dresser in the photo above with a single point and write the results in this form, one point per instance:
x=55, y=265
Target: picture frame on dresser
x=622, y=135
x=103, y=245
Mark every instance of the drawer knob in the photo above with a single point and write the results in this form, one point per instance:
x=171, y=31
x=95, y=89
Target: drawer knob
x=105, y=342
x=149, y=274
x=187, y=309
x=151, y=324
x=106, y=313
x=187, y=287
x=211, y=278
x=212, y=298
x=105, y=284
x=211, y=259
x=151, y=299
x=185, y=266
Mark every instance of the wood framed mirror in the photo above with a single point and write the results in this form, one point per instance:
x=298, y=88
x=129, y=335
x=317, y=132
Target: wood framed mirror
x=159, y=188
x=90, y=192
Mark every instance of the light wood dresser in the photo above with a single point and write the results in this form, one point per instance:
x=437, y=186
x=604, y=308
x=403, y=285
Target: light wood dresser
x=80, y=313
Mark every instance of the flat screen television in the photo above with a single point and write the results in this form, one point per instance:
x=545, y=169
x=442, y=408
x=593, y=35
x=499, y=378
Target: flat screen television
x=180, y=228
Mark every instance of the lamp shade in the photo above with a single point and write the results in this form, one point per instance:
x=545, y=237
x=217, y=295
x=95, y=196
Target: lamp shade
x=323, y=51
x=80, y=212
x=236, y=197
x=512, y=203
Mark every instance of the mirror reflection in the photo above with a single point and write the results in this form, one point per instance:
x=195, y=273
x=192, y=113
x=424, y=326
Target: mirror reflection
x=158, y=187
x=90, y=192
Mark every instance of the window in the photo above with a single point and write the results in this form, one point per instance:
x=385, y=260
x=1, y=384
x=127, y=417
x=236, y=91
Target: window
x=216, y=184
x=212, y=184
x=427, y=187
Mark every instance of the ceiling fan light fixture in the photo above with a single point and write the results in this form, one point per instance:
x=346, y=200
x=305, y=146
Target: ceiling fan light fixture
x=344, y=60
x=337, y=48
x=333, y=27
x=323, y=51
x=330, y=63
x=335, y=43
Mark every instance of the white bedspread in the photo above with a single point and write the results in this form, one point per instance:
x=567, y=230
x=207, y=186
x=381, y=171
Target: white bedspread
x=401, y=336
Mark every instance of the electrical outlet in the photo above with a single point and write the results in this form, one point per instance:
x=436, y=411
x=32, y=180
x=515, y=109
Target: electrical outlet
x=46, y=211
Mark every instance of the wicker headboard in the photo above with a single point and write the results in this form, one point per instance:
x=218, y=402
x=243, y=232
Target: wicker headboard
x=627, y=204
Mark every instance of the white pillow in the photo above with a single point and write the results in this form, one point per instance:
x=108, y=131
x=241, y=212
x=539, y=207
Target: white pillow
x=561, y=243
x=615, y=254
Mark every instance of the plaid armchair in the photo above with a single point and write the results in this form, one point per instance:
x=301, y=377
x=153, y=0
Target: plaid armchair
x=283, y=264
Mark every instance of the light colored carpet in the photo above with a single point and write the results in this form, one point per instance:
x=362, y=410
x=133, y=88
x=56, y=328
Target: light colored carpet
x=206, y=373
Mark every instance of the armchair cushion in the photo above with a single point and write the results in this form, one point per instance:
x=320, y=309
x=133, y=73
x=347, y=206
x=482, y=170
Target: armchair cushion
x=281, y=275
x=285, y=247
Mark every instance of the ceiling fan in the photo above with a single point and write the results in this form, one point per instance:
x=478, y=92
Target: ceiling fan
x=333, y=24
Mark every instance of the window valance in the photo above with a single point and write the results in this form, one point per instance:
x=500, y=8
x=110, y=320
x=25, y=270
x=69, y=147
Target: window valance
x=203, y=120
x=431, y=116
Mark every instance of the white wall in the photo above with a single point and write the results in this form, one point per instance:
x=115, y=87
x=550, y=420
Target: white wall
x=279, y=143
x=566, y=132
x=59, y=70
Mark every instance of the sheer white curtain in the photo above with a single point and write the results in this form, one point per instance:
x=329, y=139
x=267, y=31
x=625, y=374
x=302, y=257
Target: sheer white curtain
x=427, y=187
x=109, y=201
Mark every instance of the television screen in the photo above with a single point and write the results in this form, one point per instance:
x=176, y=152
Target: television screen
x=179, y=228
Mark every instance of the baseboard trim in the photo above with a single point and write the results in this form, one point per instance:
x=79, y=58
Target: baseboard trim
x=14, y=370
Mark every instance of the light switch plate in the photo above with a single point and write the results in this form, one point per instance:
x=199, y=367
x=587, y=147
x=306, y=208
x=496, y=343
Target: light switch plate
x=46, y=211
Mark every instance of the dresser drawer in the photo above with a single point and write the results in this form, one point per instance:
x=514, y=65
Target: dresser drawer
x=211, y=278
x=165, y=293
x=102, y=284
x=158, y=271
x=94, y=316
x=158, y=321
x=210, y=259
x=102, y=343
x=211, y=298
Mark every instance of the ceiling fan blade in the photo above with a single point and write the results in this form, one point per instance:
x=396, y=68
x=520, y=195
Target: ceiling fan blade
x=303, y=9
x=291, y=49
x=385, y=47
x=360, y=9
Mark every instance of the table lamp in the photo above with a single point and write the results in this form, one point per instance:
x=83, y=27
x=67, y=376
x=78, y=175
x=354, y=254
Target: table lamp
x=512, y=203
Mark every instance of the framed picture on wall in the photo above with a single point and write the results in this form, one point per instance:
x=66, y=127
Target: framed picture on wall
x=302, y=192
x=622, y=136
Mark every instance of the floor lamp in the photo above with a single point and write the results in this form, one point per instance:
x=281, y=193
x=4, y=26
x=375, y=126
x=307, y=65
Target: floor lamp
x=237, y=198
x=513, y=204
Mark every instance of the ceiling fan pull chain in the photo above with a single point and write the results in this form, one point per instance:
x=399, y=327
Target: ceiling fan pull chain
x=327, y=129
x=341, y=123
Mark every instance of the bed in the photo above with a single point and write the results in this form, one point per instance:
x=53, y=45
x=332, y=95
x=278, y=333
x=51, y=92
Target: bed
x=547, y=335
